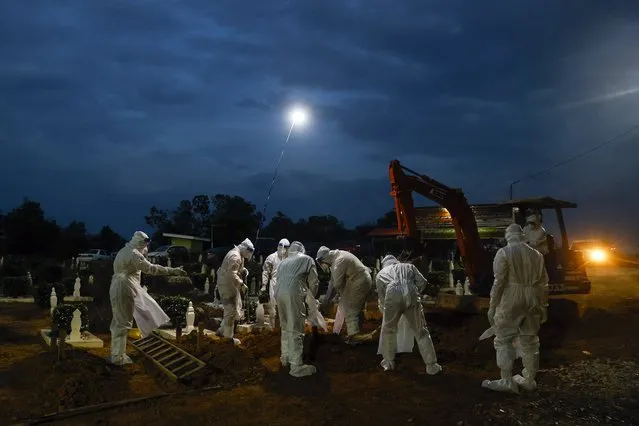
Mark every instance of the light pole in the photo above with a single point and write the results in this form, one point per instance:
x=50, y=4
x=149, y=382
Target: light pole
x=297, y=116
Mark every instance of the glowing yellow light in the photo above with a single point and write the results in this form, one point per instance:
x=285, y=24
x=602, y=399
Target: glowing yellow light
x=598, y=255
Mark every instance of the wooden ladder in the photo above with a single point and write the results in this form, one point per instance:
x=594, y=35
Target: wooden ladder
x=173, y=361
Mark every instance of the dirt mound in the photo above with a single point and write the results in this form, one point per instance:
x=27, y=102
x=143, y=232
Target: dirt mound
x=228, y=364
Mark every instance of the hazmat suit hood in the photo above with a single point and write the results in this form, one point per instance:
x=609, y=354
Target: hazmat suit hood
x=246, y=249
x=140, y=241
x=296, y=248
x=282, y=248
x=389, y=260
x=514, y=234
x=322, y=253
x=534, y=218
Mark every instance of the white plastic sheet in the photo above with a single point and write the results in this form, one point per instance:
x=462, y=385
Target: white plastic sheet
x=315, y=317
x=339, y=320
x=516, y=343
x=147, y=313
x=405, y=337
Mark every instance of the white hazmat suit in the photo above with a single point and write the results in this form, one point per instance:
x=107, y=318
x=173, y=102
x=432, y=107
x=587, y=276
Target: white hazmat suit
x=297, y=276
x=518, y=303
x=352, y=279
x=125, y=285
x=230, y=285
x=399, y=286
x=269, y=277
x=535, y=234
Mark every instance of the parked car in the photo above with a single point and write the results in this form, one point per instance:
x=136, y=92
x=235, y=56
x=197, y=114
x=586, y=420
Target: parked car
x=594, y=251
x=93, y=255
x=178, y=254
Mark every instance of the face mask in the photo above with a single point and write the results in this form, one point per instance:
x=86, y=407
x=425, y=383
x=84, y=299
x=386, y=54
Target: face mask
x=325, y=267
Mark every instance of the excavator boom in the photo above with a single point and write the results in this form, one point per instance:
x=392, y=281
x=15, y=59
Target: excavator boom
x=405, y=181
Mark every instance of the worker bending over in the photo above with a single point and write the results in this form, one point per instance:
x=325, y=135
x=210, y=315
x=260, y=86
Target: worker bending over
x=399, y=286
x=230, y=285
x=351, y=279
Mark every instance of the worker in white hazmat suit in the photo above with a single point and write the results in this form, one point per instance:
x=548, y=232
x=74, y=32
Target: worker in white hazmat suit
x=535, y=234
x=296, y=277
x=230, y=285
x=518, y=306
x=351, y=279
x=125, y=285
x=269, y=277
x=399, y=286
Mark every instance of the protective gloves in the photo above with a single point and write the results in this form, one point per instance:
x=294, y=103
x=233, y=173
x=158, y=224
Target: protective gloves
x=245, y=273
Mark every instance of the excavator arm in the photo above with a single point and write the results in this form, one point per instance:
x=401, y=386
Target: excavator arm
x=405, y=181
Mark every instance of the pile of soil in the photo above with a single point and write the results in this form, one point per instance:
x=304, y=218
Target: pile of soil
x=231, y=365
x=33, y=382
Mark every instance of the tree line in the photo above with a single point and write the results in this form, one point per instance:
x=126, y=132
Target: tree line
x=27, y=231
x=228, y=219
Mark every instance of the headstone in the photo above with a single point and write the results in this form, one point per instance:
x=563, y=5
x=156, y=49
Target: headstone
x=259, y=315
x=90, y=279
x=72, y=262
x=76, y=288
x=1, y=260
x=459, y=290
x=168, y=262
x=206, y=286
x=212, y=275
x=199, y=259
x=190, y=318
x=378, y=264
x=77, y=262
x=203, y=269
x=261, y=260
x=451, y=280
x=467, y=291
x=53, y=300
x=30, y=279
x=76, y=325
x=430, y=266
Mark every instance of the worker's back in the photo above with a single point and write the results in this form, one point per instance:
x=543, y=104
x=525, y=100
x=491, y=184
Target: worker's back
x=293, y=273
x=525, y=265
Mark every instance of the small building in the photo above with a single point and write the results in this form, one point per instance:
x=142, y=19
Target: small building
x=194, y=244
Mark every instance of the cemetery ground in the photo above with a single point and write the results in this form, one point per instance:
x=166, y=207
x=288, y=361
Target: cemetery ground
x=588, y=375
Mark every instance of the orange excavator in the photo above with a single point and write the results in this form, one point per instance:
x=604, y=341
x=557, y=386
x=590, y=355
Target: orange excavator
x=566, y=268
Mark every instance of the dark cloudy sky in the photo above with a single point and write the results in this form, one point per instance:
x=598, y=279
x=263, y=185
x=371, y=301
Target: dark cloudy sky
x=108, y=107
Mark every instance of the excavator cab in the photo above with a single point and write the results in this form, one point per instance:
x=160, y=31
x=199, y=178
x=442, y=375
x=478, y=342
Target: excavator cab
x=566, y=268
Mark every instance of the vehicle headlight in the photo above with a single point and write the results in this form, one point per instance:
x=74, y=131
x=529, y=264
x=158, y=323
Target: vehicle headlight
x=598, y=255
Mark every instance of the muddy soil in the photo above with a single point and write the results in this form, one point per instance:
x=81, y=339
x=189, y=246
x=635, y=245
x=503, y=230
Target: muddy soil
x=588, y=375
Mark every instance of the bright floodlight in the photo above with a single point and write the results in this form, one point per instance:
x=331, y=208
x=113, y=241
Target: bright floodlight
x=298, y=116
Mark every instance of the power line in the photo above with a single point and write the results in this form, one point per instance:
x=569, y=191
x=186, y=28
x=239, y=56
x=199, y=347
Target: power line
x=573, y=158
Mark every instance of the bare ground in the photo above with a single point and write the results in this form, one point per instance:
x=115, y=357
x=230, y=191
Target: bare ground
x=589, y=375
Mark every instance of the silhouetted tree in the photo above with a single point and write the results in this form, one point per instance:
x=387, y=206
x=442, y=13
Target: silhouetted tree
x=28, y=232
